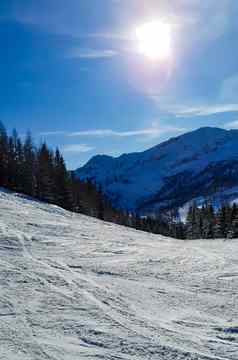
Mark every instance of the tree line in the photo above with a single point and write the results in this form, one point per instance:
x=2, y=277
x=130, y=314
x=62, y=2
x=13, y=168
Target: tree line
x=40, y=172
x=206, y=223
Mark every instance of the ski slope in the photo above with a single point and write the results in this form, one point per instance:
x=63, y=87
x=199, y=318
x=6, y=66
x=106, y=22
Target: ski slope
x=75, y=288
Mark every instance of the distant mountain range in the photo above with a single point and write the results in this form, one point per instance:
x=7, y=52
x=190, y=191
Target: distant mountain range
x=200, y=165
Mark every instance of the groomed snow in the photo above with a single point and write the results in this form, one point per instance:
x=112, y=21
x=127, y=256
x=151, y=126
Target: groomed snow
x=74, y=288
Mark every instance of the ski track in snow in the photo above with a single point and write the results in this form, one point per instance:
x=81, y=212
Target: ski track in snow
x=72, y=287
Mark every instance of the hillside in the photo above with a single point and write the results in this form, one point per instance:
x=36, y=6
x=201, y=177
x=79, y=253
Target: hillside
x=72, y=287
x=199, y=165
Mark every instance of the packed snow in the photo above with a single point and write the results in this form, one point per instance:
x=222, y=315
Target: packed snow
x=74, y=288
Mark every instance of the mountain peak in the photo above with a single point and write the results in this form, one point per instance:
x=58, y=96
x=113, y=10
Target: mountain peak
x=205, y=131
x=199, y=163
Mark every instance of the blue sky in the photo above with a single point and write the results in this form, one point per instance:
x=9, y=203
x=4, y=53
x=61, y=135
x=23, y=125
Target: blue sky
x=70, y=71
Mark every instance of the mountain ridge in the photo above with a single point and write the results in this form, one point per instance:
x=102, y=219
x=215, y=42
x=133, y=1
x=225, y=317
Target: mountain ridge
x=202, y=163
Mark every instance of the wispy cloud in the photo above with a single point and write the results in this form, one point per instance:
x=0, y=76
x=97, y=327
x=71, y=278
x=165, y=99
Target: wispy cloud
x=229, y=88
x=205, y=110
x=172, y=106
x=91, y=53
x=155, y=130
x=79, y=148
x=111, y=35
x=232, y=125
x=52, y=133
x=111, y=133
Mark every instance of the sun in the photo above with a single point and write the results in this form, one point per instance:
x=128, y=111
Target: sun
x=154, y=40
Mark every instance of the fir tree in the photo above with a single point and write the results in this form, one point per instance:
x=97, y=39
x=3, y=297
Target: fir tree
x=3, y=156
x=220, y=225
x=62, y=183
x=45, y=174
x=207, y=221
x=193, y=222
x=19, y=166
x=29, y=155
x=12, y=164
x=233, y=229
x=100, y=204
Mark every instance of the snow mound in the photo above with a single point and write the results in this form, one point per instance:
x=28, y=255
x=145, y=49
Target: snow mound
x=72, y=287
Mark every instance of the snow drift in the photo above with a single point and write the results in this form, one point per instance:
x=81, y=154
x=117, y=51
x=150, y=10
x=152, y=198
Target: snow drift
x=72, y=287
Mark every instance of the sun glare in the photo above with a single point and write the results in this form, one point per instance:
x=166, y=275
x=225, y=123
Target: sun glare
x=154, y=40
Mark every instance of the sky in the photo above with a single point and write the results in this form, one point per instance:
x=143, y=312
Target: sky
x=71, y=72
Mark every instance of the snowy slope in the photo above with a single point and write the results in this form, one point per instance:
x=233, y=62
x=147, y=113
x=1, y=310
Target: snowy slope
x=199, y=163
x=74, y=288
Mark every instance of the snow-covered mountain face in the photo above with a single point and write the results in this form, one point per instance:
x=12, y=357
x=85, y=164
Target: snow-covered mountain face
x=199, y=164
x=75, y=288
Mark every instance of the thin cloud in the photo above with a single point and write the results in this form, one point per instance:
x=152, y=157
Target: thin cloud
x=232, y=125
x=109, y=133
x=91, y=54
x=111, y=35
x=154, y=131
x=79, y=148
x=191, y=110
x=229, y=88
x=206, y=110
x=52, y=133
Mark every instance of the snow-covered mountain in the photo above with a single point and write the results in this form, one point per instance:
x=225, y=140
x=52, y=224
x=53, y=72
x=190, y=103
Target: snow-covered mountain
x=201, y=164
x=73, y=287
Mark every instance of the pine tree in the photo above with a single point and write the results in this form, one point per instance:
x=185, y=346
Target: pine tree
x=233, y=228
x=100, y=204
x=15, y=168
x=208, y=221
x=19, y=166
x=193, y=223
x=62, y=183
x=45, y=174
x=228, y=219
x=220, y=226
x=77, y=199
x=3, y=156
x=29, y=155
x=12, y=163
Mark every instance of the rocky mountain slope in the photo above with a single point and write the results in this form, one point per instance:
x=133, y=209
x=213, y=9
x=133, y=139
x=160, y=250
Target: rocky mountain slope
x=200, y=165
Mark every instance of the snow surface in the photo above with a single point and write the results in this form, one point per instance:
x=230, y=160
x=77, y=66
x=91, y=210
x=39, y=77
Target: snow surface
x=74, y=288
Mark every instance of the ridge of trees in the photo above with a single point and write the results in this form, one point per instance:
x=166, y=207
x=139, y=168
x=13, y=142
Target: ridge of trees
x=206, y=223
x=41, y=173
